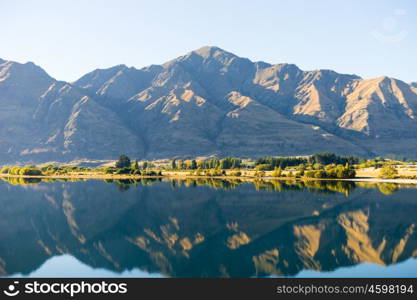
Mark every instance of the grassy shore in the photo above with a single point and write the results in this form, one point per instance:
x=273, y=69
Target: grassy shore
x=320, y=166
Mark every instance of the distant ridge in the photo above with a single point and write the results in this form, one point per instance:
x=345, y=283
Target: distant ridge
x=206, y=102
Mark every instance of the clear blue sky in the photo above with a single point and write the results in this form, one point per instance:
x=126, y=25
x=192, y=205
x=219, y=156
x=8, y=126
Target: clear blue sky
x=69, y=38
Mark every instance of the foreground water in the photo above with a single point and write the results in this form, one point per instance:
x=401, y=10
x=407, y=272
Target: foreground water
x=207, y=228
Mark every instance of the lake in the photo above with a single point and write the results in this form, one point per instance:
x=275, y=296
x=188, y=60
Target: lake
x=206, y=228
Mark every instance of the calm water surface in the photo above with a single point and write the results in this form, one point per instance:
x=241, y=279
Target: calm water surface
x=207, y=228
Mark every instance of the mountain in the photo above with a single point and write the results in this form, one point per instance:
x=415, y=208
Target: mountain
x=207, y=102
x=44, y=119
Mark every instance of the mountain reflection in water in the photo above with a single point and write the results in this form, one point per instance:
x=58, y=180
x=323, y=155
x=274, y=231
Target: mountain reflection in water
x=205, y=227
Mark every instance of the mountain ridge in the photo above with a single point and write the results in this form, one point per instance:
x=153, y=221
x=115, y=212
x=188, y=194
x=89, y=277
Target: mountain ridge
x=206, y=102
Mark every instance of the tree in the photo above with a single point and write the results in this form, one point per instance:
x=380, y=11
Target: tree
x=145, y=165
x=388, y=172
x=135, y=165
x=388, y=188
x=193, y=165
x=173, y=164
x=327, y=158
x=123, y=162
x=282, y=162
x=277, y=172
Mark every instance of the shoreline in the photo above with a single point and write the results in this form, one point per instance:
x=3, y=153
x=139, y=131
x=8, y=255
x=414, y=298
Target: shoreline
x=243, y=178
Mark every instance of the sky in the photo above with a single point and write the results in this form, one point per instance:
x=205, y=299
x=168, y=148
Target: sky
x=369, y=38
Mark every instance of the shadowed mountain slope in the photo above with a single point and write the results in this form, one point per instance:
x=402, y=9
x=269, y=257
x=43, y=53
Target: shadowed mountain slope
x=206, y=102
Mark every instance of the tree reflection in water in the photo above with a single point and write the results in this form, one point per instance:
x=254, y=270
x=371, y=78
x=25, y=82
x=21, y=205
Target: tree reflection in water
x=206, y=227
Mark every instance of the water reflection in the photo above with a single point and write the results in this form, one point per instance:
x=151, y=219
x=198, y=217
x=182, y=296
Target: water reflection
x=205, y=227
x=314, y=186
x=66, y=266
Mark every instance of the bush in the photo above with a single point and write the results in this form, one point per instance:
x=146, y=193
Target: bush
x=109, y=170
x=263, y=167
x=319, y=174
x=135, y=172
x=149, y=173
x=123, y=171
x=309, y=174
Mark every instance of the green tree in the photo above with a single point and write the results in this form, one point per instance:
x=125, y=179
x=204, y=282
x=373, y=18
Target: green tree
x=135, y=165
x=173, y=164
x=145, y=165
x=277, y=172
x=193, y=164
x=123, y=162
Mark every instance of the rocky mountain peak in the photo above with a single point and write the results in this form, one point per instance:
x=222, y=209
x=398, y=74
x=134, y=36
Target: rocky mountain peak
x=212, y=51
x=96, y=78
x=209, y=58
x=28, y=69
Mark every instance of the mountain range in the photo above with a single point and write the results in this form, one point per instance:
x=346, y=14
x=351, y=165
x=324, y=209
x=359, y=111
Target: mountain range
x=207, y=102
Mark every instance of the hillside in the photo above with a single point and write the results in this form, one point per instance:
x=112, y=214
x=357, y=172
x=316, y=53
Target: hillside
x=207, y=102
